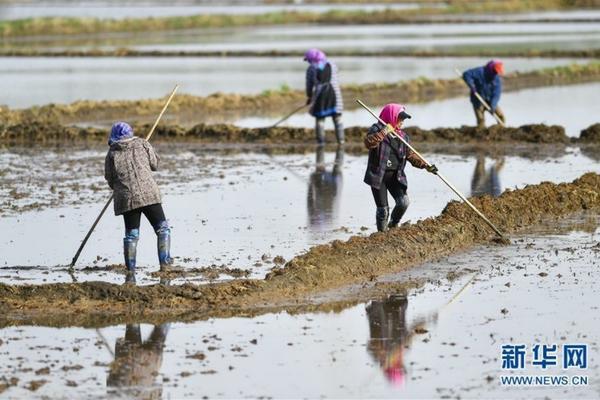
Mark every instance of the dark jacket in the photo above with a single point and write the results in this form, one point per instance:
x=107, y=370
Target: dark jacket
x=128, y=170
x=323, y=88
x=486, y=83
x=380, y=148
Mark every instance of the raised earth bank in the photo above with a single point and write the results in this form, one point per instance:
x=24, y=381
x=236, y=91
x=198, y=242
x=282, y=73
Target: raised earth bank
x=81, y=26
x=194, y=108
x=40, y=132
x=125, y=52
x=334, y=265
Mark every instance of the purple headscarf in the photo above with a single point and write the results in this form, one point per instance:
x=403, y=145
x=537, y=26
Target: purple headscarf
x=314, y=56
x=120, y=131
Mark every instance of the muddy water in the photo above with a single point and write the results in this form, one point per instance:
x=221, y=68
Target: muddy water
x=118, y=11
x=522, y=107
x=484, y=36
x=226, y=208
x=528, y=16
x=75, y=79
x=436, y=341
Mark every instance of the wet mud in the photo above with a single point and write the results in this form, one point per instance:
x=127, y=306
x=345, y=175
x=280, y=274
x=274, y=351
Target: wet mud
x=190, y=109
x=77, y=176
x=538, y=133
x=325, y=267
x=51, y=132
x=591, y=134
x=125, y=52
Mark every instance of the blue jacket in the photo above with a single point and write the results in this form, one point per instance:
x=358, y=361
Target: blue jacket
x=486, y=83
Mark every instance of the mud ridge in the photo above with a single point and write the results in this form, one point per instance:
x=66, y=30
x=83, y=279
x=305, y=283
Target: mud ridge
x=590, y=134
x=323, y=267
x=82, y=26
x=39, y=132
x=126, y=52
x=195, y=108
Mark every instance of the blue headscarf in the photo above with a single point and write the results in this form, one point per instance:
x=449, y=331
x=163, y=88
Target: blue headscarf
x=120, y=131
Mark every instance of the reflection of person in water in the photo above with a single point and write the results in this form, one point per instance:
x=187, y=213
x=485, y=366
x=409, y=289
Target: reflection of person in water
x=137, y=362
x=390, y=335
x=387, y=326
x=324, y=188
x=486, y=182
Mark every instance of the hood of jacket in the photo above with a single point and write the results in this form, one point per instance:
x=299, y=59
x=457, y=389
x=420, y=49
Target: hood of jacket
x=124, y=144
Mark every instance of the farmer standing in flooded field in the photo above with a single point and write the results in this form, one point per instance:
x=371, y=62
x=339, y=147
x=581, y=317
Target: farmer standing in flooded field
x=128, y=170
x=385, y=167
x=323, y=94
x=487, y=82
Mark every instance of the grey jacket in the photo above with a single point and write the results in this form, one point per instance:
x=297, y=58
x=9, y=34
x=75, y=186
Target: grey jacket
x=128, y=170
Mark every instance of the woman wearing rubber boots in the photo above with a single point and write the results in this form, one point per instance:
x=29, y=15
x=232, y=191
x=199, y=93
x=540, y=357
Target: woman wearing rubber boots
x=385, y=168
x=128, y=170
x=323, y=93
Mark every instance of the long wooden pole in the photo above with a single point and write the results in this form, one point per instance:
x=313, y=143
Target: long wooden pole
x=288, y=116
x=87, y=236
x=451, y=186
x=485, y=104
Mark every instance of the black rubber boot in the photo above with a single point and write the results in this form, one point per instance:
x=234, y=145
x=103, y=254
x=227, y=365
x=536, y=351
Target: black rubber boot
x=398, y=211
x=381, y=217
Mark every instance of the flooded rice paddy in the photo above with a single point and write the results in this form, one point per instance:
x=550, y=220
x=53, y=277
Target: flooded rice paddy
x=441, y=36
x=441, y=340
x=522, y=107
x=73, y=79
x=106, y=10
x=229, y=208
x=243, y=211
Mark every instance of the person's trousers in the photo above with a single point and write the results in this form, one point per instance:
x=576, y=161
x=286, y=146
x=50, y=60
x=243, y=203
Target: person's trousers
x=154, y=213
x=480, y=115
x=339, y=129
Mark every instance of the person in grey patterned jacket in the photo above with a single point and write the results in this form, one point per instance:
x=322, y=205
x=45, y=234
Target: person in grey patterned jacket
x=128, y=170
x=323, y=93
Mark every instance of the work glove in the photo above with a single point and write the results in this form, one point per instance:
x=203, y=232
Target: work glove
x=431, y=168
x=389, y=130
x=373, y=140
x=472, y=90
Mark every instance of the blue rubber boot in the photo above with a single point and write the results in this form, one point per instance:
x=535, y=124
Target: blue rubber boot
x=163, y=234
x=129, y=250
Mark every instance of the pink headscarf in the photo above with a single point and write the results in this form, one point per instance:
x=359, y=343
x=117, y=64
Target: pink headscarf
x=389, y=113
x=395, y=375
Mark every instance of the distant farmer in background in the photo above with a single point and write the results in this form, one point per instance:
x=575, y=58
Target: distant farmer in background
x=487, y=83
x=128, y=170
x=323, y=94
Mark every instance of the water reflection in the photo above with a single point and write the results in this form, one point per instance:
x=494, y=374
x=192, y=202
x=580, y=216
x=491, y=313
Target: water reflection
x=388, y=332
x=487, y=181
x=137, y=362
x=324, y=189
x=390, y=335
